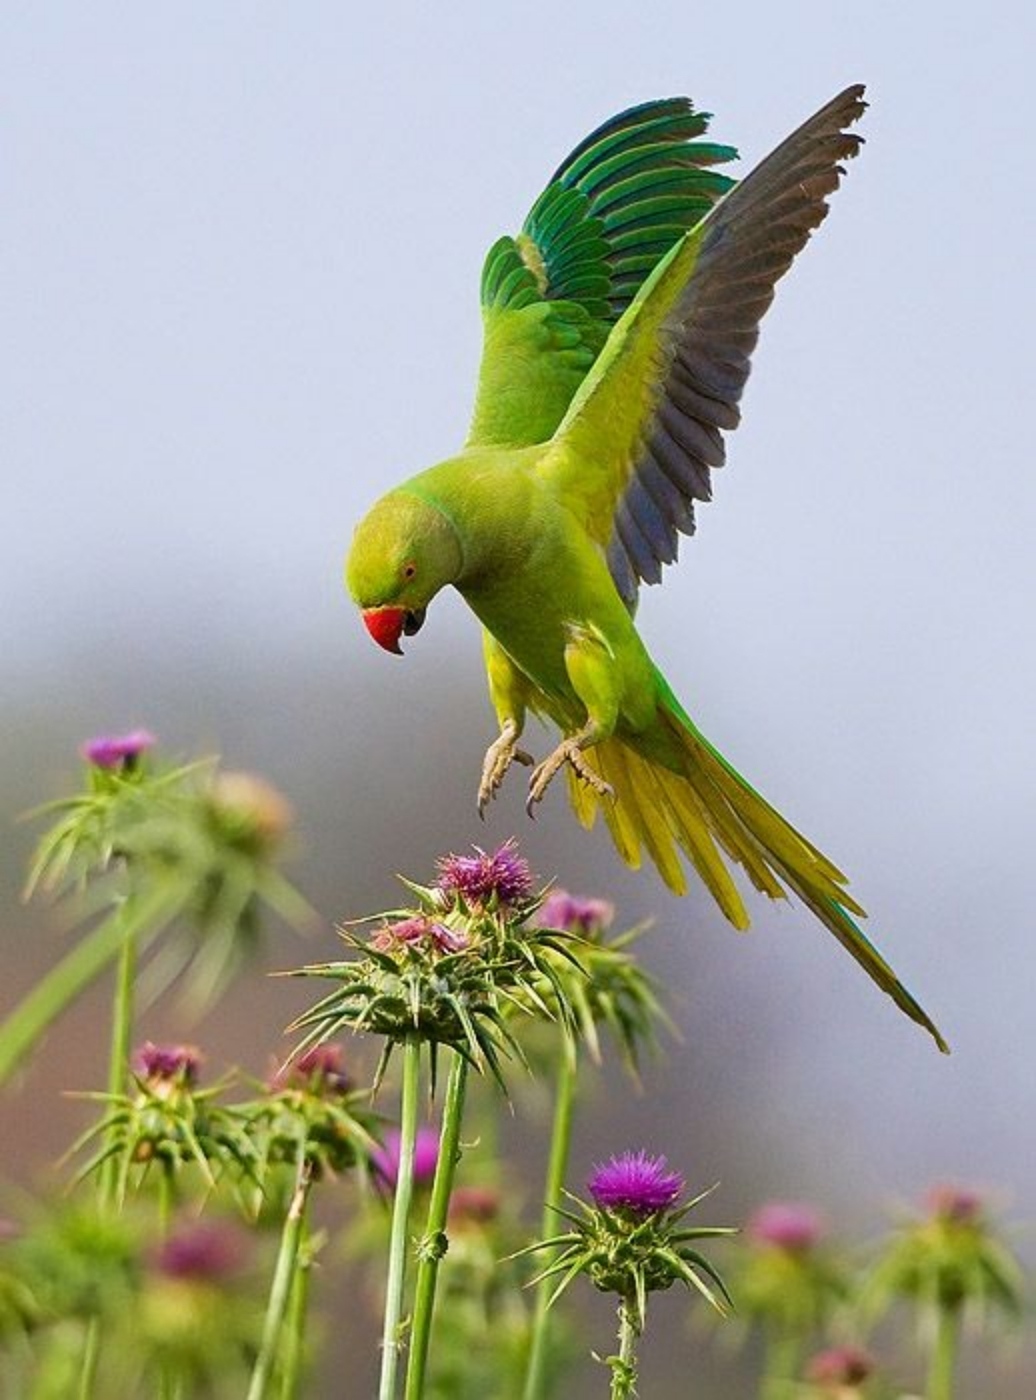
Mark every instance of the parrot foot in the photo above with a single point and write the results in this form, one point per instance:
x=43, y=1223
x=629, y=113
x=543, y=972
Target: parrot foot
x=499, y=757
x=568, y=751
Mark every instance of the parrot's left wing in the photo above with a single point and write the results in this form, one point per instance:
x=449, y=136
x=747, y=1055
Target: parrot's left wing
x=637, y=446
x=612, y=210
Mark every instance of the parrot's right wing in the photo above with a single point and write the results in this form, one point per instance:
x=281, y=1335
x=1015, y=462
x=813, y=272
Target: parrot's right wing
x=612, y=210
x=636, y=448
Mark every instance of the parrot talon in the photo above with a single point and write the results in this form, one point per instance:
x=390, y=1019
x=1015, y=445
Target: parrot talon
x=499, y=757
x=568, y=751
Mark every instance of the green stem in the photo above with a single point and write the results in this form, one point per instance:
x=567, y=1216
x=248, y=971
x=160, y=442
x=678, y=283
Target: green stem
x=118, y=1055
x=557, y=1169
x=943, y=1360
x=624, y=1369
x=75, y=972
x=434, y=1244
x=391, y=1339
x=123, y=928
x=783, y=1357
x=166, y=1200
x=169, y=1382
x=91, y=1355
x=283, y=1276
x=294, y=1349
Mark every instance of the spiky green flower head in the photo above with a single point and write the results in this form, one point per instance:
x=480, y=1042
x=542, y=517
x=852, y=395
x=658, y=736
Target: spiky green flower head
x=632, y=1240
x=403, y=552
x=312, y=1111
x=953, y=1258
x=448, y=970
x=167, y=1123
x=605, y=985
x=790, y=1278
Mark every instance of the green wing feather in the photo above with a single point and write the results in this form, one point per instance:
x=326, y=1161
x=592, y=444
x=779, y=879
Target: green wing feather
x=613, y=209
x=637, y=447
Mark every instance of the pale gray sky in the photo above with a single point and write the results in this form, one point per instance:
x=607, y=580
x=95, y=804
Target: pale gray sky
x=239, y=266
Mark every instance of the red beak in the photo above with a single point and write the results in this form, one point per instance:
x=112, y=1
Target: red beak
x=386, y=626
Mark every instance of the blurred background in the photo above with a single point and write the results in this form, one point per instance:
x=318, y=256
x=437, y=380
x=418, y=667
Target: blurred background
x=239, y=264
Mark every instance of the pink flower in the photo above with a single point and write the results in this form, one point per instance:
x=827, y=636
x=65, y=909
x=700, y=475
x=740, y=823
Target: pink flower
x=319, y=1070
x=788, y=1225
x=636, y=1183
x=474, y=1205
x=840, y=1366
x=959, y=1204
x=166, y=1064
x=385, y=1160
x=117, y=750
x=202, y=1250
x=478, y=878
x=573, y=913
x=413, y=932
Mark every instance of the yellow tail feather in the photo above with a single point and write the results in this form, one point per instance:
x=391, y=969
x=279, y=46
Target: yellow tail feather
x=699, y=804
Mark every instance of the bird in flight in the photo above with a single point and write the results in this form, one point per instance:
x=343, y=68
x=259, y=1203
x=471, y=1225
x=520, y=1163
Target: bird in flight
x=619, y=326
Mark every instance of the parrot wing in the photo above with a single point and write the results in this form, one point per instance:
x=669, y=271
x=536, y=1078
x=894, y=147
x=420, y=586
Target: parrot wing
x=612, y=210
x=637, y=446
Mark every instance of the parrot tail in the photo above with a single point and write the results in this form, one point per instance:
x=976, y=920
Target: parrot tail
x=707, y=810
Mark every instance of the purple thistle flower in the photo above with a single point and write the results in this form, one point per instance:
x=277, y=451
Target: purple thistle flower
x=839, y=1367
x=960, y=1205
x=117, y=750
x=385, y=1160
x=320, y=1070
x=573, y=913
x=788, y=1225
x=478, y=878
x=474, y=1205
x=413, y=932
x=448, y=940
x=635, y=1183
x=164, y=1064
x=202, y=1250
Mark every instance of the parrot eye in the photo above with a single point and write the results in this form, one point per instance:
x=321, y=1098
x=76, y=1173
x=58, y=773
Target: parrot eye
x=409, y=570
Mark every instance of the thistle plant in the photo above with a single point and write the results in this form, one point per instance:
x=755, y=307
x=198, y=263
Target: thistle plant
x=954, y=1266
x=197, y=1323
x=441, y=975
x=480, y=1346
x=609, y=989
x=788, y=1282
x=312, y=1122
x=632, y=1242
x=150, y=1289
x=167, y=863
x=165, y=1125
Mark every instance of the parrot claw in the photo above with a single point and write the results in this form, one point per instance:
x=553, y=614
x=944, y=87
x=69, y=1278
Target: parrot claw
x=568, y=751
x=499, y=757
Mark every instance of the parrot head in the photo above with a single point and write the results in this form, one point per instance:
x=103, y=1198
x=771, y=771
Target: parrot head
x=402, y=553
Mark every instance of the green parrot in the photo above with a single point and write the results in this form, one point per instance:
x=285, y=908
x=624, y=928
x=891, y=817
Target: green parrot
x=619, y=326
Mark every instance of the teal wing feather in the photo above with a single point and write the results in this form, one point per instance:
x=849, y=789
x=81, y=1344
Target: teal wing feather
x=612, y=210
x=646, y=429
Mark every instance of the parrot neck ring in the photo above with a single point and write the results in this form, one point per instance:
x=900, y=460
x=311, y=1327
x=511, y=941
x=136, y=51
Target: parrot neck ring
x=387, y=625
